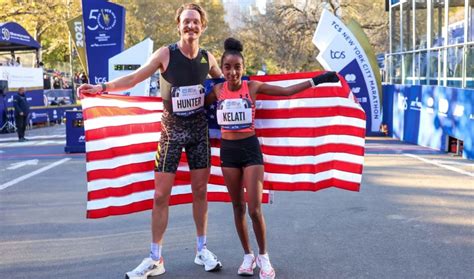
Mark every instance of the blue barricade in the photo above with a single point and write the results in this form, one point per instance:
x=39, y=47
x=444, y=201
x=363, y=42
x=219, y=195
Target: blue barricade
x=75, y=139
x=430, y=115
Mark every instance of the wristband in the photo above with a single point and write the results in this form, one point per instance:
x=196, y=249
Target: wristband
x=104, y=87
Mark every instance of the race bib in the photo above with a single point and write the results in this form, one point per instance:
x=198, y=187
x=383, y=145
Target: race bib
x=234, y=114
x=187, y=100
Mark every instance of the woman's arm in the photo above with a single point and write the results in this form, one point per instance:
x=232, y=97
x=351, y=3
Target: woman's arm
x=212, y=96
x=264, y=88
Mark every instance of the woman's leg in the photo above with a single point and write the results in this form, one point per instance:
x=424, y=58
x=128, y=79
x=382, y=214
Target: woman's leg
x=233, y=180
x=253, y=181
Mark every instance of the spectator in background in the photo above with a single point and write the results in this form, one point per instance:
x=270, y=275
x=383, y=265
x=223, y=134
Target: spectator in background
x=77, y=78
x=84, y=78
x=56, y=83
x=18, y=62
x=11, y=61
x=22, y=109
x=66, y=84
x=46, y=82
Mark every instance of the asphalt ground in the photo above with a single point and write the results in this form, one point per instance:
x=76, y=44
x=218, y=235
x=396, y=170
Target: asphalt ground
x=413, y=218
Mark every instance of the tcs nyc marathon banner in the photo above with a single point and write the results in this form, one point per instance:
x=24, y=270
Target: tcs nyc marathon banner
x=345, y=49
x=104, y=30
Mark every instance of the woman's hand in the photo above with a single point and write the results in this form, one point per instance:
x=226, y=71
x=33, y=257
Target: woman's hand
x=326, y=77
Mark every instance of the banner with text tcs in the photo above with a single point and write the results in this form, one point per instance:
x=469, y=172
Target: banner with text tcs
x=345, y=49
x=104, y=26
x=427, y=115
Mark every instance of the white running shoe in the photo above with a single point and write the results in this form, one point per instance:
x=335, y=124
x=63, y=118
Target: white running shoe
x=247, y=266
x=148, y=267
x=266, y=269
x=208, y=260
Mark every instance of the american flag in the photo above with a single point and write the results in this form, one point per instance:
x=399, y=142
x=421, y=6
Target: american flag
x=310, y=141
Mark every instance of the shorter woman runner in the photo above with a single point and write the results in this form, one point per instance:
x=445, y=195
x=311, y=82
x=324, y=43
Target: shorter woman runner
x=241, y=157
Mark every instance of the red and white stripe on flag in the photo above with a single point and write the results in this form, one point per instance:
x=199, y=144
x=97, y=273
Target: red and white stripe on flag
x=310, y=141
x=122, y=134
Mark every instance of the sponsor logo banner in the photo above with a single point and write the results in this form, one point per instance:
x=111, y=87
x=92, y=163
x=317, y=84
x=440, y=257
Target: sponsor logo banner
x=104, y=25
x=344, y=49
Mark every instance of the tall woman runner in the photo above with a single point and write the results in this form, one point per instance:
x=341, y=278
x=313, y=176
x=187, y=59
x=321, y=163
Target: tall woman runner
x=241, y=157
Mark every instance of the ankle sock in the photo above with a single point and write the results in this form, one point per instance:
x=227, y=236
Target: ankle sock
x=155, y=251
x=201, y=242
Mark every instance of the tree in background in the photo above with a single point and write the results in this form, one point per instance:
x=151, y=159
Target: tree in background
x=279, y=41
x=156, y=19
x=46, y=21
x=281, y=38
x=373, y=19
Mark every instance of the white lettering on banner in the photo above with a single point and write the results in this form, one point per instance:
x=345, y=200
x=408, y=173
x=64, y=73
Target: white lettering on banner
x=79, y=36
x=430, y=104
x=104, y=18
x=350, y=78
x=100, y=80
x=415, y=104
x=402, y=102
x=93, y=16
x=443, y=106
x=107, y=19
x=458, y=110
x=5, y=34
x=346, y=42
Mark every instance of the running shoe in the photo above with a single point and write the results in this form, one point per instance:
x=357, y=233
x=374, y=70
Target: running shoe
x=208, y=260
x=148, y=267
x=247, y=266
x=266, y=269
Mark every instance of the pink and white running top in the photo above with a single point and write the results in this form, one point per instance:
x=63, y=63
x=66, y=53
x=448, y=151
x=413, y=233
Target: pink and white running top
x=235, y=109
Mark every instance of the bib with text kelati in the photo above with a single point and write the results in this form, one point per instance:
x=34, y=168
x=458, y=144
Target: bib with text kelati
x=234, y=114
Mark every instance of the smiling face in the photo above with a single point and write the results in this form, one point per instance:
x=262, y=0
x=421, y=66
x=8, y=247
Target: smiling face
x=233, y=69
x=190, y=26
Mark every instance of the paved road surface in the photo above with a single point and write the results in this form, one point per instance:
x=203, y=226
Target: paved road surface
x=414, y=218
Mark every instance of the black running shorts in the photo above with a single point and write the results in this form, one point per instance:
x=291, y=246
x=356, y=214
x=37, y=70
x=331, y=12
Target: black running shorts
x=241, y=153
x=190, y=133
